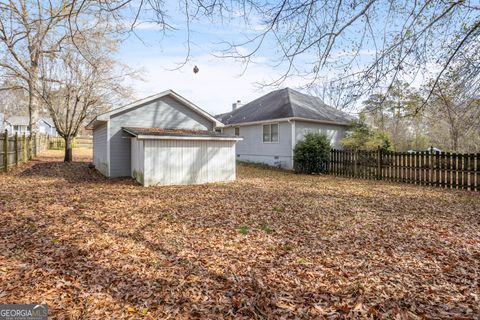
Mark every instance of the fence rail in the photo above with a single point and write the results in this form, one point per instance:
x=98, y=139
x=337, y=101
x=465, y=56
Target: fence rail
x=17, y=149
x=440, y=169
x=57, y=143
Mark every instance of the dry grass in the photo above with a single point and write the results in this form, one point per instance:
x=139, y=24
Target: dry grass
x=271, y=245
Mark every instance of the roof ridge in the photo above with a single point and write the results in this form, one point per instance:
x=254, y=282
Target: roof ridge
x=290, y=101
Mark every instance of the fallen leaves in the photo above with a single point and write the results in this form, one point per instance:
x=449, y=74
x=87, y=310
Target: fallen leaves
x=271, y=245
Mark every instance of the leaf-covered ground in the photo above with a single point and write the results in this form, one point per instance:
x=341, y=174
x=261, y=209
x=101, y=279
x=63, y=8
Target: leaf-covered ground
x=271, y=245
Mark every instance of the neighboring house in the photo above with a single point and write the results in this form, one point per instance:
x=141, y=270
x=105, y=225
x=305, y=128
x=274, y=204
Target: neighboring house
x=19, y=125
x=160, y=140
x=2, y=122
x=272, y=125
x=46, y=126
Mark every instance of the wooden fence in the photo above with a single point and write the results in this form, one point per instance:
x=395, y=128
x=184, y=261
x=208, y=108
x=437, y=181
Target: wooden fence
x=57, y=143
x=440, y=169
x=15, y=149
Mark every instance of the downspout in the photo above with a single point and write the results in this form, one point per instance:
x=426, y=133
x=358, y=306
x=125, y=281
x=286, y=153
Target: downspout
x=292, y=126
x=108, y=147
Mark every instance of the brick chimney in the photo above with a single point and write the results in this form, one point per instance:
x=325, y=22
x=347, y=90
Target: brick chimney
x=236, y=105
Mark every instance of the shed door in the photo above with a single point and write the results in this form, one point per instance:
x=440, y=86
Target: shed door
x=170, y=162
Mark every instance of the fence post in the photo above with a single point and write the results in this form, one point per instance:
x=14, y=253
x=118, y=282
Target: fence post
x=355, y=160
x=24, y=138
x=379, y=163
x=5, y=151
x=35, y=145
x=16, y=148
x=29, y=147
x=430, y=166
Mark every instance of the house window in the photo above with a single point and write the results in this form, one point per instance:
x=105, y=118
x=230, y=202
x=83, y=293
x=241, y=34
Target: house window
x=16, y=128
x=237, y=131
x=270, y=132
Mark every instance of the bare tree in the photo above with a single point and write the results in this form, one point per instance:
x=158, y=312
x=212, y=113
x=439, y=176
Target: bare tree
x=453, y=114
x=80, y=86
x=337, y=93
x=450, y=121
x=26, y=36
x=373, y=43
x=13, y=102
x=367, y=44
x=31, y=30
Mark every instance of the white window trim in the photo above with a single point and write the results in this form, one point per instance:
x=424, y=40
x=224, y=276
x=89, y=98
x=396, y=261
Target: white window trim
x=270, y=124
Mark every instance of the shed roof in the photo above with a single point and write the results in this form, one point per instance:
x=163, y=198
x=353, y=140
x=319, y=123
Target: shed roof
x=285, y=103
x=48, y=121
x=159, y=133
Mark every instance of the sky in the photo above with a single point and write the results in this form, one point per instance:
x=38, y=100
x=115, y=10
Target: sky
x=222, y=81
x=219, y=82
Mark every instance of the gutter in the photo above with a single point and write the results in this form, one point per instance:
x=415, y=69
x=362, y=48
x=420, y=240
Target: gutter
x=146, y=137
x=286, y=120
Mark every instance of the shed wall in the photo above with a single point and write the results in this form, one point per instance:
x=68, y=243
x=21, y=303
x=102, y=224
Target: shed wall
x=137, y=159
x=100, y=149
x=165, y=112
x=173, y=162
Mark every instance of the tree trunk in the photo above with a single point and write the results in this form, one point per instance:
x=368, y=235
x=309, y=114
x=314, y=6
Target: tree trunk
x=454, y=137
x=68, y=149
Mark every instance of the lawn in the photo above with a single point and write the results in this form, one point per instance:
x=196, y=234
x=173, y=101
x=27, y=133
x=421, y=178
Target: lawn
x=270, y=245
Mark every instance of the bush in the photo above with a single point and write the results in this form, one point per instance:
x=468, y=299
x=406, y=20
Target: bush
x=361, y=137
x=312, y=154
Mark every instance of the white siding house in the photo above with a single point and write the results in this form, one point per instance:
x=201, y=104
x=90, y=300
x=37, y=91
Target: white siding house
x=253, y=149
x=272, y=125
x=46, y=126
x=19, y=125
x=162, y=140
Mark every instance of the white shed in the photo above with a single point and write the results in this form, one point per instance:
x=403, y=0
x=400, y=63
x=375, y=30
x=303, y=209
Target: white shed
x=172, y=157
x=163, y=139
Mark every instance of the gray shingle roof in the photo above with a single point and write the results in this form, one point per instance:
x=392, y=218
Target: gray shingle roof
x=285, y=103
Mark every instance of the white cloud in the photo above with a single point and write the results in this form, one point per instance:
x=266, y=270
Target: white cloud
x=150, y=26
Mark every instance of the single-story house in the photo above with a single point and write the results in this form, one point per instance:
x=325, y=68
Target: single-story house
x=272, y=125
x=162, y=140
x=46, y=126
x=19, y=125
